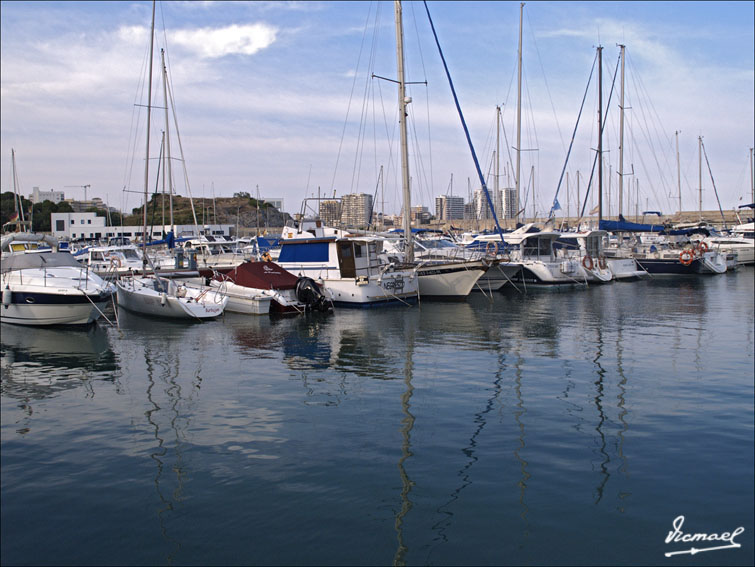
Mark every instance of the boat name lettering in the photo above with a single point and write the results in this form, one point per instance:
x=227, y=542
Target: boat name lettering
x=395, y=283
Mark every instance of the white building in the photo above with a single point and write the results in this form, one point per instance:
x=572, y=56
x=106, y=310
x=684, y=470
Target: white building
x=74, y=226
x=276, y=202
x=77, y=225
x=38, y=196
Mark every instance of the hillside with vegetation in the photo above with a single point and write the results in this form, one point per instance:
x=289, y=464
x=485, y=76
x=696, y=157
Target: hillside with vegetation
x=241, y=210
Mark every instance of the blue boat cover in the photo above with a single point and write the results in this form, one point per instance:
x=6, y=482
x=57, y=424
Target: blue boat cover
x=303, y=251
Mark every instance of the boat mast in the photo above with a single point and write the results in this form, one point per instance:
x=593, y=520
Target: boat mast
x=17, y=201
x=167, y=172
x=678, y=175
x=621, y=136
x=600, y=134
x=149, y=116
x=497, y=194
x=403, y=100
x=700, y=172
x=519, y=114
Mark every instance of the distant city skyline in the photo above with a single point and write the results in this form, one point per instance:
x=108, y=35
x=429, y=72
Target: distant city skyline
x=262, y=92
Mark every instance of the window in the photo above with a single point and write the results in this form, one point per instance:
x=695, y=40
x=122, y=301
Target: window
x=60, y=225
x=72, y=221
x=89, y=221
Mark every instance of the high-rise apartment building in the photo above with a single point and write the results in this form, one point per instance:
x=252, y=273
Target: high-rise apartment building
x=330, y=213
x=356, y=210
x=449, y=207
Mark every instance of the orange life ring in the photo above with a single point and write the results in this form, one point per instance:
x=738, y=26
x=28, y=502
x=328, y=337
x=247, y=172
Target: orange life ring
x=686, y=257
x=491, y=245
x=115, y=261
x=703, y=247
x=602, y=264
x=587, y=262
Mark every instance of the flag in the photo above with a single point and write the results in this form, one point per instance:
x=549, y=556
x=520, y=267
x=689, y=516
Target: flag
x=13, y=219
x=595, y=210
x=556, y=205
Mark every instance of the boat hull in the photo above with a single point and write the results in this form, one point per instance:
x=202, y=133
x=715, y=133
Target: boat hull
x=673, y=266
x=453, y=280
x=243, y=299
x=139, y=297
x=549, y=275
x=48, y=309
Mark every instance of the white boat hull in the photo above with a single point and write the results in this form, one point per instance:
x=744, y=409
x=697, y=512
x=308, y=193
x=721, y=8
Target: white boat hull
x=450, y=280
x=55, y=295
x=625, y=269
x=242, y=299
x=53, y=314
x=139, y=295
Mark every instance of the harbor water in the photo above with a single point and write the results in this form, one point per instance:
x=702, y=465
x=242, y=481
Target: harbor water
x=569, y=428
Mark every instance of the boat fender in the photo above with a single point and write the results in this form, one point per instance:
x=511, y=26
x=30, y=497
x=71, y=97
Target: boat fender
x=686, y=257
x=7, y=296
x=163, y=299
x=602, y=262
x=587, y=262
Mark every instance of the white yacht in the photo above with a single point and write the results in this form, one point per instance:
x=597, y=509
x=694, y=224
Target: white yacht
x=740, y=241
x=531, y=251
x=350, y=269
x=44, y=287
x=445, y=270
x=601, y=263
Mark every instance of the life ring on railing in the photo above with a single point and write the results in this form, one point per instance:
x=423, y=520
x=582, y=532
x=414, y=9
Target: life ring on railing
x=266, y=257
x=702, y=247
x=115, y=261
x=587, y=262
x=602, y=264
x=686, y=256
x=491, y=248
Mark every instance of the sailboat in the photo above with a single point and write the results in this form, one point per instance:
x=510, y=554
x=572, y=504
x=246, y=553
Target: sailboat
x=150, y=294
x=453, y=279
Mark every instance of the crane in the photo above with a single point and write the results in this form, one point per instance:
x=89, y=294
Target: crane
x=84, y=187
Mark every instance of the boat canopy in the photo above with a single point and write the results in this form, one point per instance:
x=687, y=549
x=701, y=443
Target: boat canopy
x=262, y=275
x=38, y=260
x=304, y=251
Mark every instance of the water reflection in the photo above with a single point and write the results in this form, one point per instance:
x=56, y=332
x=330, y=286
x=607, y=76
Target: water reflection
x=407, y=424
x=39, y=363
x=168, y=417
x=167, y=359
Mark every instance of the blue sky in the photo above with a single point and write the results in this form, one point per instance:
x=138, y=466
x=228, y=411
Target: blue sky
x=277, y=96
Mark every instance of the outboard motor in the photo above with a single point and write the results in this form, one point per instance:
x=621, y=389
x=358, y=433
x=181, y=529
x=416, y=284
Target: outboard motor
x=310, y=294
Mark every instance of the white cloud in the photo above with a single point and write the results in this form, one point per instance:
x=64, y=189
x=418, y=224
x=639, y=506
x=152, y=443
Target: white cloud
x=234, y=39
